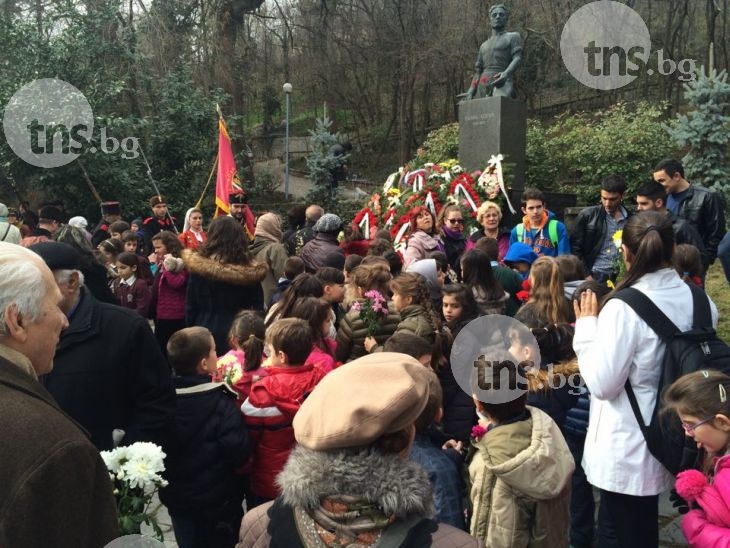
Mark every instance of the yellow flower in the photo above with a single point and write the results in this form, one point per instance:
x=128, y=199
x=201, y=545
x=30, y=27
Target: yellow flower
x=617, y=238
x=393, y=192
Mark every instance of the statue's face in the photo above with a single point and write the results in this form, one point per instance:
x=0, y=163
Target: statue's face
x=498, y=18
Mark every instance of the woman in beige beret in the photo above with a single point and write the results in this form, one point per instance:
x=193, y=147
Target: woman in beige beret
x=349, y=481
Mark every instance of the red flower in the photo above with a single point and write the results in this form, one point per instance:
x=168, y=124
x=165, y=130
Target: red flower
x=477, y=432
x=524, y=295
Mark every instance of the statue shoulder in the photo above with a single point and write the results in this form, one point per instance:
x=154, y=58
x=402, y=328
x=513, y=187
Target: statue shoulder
x=514, y=37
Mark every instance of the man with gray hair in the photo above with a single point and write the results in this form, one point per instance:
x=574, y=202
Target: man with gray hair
x=110, y=374
x=54, y=486
x=8, y=232
x=313, y=213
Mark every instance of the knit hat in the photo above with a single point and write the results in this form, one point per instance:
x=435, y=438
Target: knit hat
x=58, y=255
x=78, y=222
x=157, y=200
x=329, y=222
x=357, y=403
x=268, y=227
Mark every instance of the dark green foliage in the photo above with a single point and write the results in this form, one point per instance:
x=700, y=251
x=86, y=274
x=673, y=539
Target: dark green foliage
x=704, y=131
x=320, y=165
x=168, y=116
x=577, y=151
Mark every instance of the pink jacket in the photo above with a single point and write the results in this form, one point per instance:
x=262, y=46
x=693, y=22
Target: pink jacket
x=326, y=362
x=171, y=290
x=419, y=245
x=699, y=531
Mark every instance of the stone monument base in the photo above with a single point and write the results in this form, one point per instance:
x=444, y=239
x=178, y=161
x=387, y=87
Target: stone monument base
x=494, y=125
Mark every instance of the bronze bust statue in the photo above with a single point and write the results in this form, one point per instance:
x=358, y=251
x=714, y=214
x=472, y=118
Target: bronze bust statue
x=498, y=59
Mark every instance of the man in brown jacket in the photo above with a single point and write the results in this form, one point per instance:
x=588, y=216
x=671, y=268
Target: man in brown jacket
x=54, y=486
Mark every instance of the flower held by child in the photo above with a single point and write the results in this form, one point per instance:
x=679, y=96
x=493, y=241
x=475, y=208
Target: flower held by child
x=371, y=310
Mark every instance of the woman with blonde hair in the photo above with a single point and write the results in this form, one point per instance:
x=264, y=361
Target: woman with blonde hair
x=489, y=215
x=547, y=303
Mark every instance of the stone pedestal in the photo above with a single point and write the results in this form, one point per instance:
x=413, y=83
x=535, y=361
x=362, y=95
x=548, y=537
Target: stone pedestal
x=494, y=125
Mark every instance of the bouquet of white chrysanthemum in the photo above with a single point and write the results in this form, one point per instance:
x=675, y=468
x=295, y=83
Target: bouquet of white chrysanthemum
x=135, y=472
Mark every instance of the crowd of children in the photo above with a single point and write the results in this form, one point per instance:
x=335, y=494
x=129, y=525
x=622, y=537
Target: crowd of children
x=514, y=473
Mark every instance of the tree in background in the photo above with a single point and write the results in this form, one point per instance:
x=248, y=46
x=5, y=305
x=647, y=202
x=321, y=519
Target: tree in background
x=321, y=164
x=704, y=131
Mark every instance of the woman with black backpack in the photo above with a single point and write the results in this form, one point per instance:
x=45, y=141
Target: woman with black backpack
x=617, y=346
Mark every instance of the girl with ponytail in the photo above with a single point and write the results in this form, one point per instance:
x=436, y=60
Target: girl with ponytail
x=617, y=346
x=412, y=299
x=241, y=366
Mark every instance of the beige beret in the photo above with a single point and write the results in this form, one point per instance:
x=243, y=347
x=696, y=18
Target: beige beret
x=360, y=401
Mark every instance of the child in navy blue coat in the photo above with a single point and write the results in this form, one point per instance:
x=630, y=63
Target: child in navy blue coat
x=204, y=496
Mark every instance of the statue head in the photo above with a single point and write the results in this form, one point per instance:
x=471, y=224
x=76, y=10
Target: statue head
x=498, y=15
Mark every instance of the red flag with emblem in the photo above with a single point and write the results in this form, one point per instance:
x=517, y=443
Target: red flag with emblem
x=227, y=181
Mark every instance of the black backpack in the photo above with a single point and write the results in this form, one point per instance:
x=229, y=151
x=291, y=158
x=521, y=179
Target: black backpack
x=688, y=351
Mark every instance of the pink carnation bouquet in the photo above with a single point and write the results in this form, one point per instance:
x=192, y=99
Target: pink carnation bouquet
x=371, y=310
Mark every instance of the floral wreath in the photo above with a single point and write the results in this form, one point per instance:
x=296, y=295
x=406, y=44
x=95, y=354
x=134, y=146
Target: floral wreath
x=464, y=183
x=367, y=221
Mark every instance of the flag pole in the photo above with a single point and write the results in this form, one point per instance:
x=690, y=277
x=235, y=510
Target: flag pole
x=157, y=190
x=210, y=178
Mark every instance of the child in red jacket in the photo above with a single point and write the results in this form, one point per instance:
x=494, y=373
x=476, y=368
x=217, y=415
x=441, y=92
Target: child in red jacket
x=274, y=400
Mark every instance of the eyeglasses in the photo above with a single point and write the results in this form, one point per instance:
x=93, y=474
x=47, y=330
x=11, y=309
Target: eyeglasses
x=689, y=428
x=456, y=221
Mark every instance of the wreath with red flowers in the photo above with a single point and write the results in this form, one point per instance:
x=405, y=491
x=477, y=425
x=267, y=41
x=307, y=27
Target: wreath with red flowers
x=395, y=229
x=372, y=221
x=466, y=182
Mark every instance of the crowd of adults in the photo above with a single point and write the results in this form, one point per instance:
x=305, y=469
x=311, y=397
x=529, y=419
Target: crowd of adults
x=107, y=333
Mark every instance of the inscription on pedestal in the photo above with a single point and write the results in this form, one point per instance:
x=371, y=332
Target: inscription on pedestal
x=494, y=125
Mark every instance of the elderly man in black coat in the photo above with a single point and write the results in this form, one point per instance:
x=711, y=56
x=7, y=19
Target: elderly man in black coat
x=54, y=486
x=109, y=373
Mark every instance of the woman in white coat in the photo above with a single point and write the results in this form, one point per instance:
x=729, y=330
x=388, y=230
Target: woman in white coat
x=611, y=347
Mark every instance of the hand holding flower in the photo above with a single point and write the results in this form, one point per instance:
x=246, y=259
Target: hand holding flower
x=370, y=343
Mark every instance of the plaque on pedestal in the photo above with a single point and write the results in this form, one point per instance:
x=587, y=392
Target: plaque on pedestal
x=494, y=125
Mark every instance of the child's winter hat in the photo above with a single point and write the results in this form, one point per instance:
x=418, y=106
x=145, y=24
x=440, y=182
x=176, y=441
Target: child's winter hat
x=520, y=252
